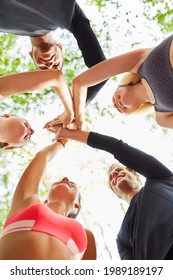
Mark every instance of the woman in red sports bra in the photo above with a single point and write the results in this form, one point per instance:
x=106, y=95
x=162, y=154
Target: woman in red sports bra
x=45, y=231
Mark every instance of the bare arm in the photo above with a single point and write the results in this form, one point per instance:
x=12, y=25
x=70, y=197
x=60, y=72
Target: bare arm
x=36, y=80
x=90, y=253
x=27, y=189
x=165, y=119
x=73, y=134
x=128, y=62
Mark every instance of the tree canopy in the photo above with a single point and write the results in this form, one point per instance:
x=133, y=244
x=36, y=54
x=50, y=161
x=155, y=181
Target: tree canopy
x=119, y=27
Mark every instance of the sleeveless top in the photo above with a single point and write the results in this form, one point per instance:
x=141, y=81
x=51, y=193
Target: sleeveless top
x=39, y=217
x=157, y=71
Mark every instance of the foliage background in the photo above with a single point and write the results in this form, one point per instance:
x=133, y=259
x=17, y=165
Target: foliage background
x=120, y=26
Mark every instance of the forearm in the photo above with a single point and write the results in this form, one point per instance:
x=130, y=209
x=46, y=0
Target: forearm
x=28, y=81
x=84, y=88
x=92, y=52
x=65, y=95
x=127, y=62
x=78, y=135
x=79, y=97
x=28, y=184
x=131, y=157
x=86, y=38
x=49, y=152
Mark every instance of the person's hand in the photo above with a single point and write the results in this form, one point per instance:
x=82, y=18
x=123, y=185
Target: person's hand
x=63, y=119
x=59, y=131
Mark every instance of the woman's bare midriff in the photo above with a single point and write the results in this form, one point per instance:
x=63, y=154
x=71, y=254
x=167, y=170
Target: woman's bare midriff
x=32, y=245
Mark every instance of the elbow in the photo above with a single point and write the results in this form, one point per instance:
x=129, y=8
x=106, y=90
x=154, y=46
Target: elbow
x=76, y=83
x=57, y=77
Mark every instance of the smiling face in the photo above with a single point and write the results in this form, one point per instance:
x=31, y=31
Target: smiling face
x=124, y=100
x=47, y=56
x=123, y=181
x=67, y=191
x=16, y=131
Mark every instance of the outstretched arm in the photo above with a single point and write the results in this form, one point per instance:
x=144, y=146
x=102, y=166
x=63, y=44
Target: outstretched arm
x=36, y=80
x=88, y=44
x=141, y=162
x=26, y=191
x=128, y=62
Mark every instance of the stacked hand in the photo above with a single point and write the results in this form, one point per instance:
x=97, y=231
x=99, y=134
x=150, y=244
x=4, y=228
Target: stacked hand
x=64, y=119
x=60, y=132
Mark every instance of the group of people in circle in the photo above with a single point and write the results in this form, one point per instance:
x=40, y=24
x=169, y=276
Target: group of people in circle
x=49, y=230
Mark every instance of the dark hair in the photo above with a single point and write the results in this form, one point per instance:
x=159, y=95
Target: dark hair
x=73, y=216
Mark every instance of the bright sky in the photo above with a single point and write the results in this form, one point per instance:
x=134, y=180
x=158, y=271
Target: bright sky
x=106, y=210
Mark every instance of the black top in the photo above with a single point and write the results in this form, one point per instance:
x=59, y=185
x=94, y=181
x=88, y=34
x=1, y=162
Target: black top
x=147, y=229
x=38, y=17
x=157, y=71
x=35, y=17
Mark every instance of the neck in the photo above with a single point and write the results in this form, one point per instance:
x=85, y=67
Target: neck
x=141, y=94
x=59, y=208
x=128, y=197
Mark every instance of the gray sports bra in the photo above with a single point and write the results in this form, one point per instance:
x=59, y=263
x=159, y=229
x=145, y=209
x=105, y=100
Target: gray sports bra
x=158, y=72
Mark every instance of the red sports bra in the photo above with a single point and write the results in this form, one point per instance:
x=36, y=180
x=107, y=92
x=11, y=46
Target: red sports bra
x=39, y=217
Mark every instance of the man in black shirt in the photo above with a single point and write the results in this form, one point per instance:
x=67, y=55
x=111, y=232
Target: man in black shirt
x=146, y=232
x=37, y=19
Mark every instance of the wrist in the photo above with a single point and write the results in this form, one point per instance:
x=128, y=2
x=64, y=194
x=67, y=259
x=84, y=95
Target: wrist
x=62, y=142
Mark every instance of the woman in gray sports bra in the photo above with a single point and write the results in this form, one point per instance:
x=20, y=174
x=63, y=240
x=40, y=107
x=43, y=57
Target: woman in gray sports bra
x=148, y=82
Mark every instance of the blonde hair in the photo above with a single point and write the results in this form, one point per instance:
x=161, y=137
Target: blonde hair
x=132, y=79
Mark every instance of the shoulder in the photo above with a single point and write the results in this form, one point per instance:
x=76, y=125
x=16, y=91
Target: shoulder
x=90, y=253
x=142, y=54
x=21, y=205
x=89, y=234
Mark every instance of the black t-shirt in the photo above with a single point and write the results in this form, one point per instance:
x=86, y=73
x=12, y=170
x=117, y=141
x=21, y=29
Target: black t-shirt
x=147, y=228
x=39, y=17
x=35, y=17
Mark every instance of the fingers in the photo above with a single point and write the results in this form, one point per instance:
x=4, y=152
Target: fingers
x=72, y=125
x=52, y=123
x=51, y=129
x=46, y=125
